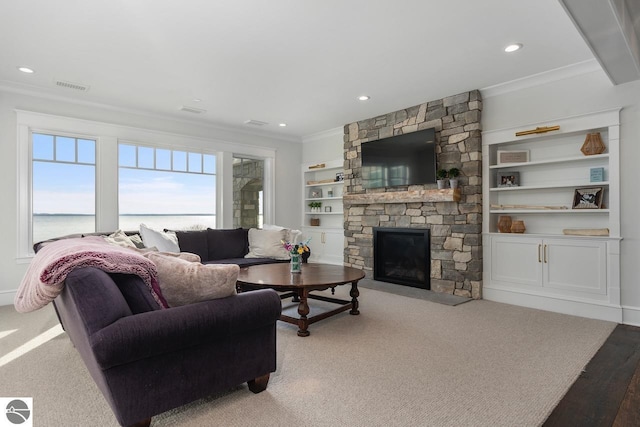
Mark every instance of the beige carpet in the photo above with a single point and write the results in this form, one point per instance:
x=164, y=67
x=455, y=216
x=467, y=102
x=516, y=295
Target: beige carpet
x=402, y=362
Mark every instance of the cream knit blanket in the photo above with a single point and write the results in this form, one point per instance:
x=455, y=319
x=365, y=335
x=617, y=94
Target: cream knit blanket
x=44, y=279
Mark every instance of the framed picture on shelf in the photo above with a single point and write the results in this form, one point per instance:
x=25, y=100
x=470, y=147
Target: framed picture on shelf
x=588, y=198
x=596, y=174
x=327, y=208
x=508, y=179
x=339, y=176
x=315, y=194
x=511, y=156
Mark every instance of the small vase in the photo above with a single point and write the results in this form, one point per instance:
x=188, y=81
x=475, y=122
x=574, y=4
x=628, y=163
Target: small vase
x=504, y=224
x=517, y=226
x=441, y=184
x=453, y=183
x=296, y=261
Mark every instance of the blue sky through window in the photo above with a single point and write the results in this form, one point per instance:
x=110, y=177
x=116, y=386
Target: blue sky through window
x=64, y=179
x=153, y=181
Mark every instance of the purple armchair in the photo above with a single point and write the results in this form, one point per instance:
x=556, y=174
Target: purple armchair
x=146, y=360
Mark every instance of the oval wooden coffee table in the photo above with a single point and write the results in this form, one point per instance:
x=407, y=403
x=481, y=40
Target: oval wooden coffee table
x=314, y=277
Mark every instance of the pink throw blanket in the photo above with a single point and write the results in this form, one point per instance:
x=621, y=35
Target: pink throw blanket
x=44, y=279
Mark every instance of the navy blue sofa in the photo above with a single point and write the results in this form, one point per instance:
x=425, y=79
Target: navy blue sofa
x=147, y=360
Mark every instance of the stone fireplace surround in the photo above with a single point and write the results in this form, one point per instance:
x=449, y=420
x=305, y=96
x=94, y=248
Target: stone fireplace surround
x=455, y=226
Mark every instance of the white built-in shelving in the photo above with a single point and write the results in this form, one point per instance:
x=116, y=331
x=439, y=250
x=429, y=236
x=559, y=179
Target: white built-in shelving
x=545, y=267
x=325, y=226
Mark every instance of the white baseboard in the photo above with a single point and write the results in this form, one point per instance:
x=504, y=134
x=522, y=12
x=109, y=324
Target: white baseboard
x=574, y=308
x=7, y=297
x=631, y=315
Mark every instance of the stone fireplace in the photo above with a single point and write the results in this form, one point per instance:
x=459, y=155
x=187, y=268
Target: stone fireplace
x=453, y=218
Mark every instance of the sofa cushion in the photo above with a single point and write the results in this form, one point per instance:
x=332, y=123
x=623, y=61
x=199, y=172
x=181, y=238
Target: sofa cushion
x=102, y=301
x=267, y=244
x=164, y=242
x=135, y=292
x=194, y=241
x=246, y=262
x=225, y=244
x=183, y=282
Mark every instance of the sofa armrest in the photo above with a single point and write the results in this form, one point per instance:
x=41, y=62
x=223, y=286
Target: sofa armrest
x=163, y=331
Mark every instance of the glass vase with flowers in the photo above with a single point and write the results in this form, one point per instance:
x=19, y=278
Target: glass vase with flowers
x=296, y=250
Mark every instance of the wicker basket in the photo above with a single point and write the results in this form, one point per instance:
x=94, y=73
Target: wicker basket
x=314, y=222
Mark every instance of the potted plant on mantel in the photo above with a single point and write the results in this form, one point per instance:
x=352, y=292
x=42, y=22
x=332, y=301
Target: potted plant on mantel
x=454, y=173
x=441, y=176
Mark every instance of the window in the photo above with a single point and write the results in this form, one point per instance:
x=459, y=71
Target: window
x=164, y=188
x=89, y=176
x=248, y=186
x=63, y=186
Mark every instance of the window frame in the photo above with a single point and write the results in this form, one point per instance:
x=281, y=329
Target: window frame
x=25, y=183
x=171, y=149
x=56, y=135
x=107, y=137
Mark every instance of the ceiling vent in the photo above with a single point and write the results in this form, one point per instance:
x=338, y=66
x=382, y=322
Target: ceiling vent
x=193, y=110
x=71, y=85
x=255, y=122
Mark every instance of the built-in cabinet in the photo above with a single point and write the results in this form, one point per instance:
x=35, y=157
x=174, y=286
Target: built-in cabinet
x=324, y=224
x=547, y=266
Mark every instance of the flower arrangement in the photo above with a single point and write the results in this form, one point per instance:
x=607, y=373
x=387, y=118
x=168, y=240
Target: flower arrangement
x=296, y=248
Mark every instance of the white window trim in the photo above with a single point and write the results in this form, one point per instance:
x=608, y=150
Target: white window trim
x=107, y=137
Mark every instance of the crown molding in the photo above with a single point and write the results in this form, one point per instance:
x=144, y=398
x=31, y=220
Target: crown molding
x=573, y=70
x=37, y=92
x=335, y=132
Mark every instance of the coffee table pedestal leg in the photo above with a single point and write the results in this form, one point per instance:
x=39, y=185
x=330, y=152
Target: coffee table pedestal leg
x=303, y=310
x=354, y=298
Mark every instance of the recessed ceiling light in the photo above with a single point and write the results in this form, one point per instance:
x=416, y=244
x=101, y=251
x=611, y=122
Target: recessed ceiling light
x=26, y=70
x=282, y=125
x=513, y=47
x=364, y=97
x=197, y=100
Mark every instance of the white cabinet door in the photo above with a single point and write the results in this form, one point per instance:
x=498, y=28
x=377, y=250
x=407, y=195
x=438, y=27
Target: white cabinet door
x=575, y=266
x=327, y=245
x=516, y=260
x=333, y=247
x=315, y=245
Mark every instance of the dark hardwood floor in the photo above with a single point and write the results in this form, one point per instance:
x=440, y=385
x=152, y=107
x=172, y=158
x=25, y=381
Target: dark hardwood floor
x=607, y=393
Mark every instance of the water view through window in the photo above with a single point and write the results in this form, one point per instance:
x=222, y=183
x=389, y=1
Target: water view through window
x=161, y=188
x=63, y=186
x=165, y=188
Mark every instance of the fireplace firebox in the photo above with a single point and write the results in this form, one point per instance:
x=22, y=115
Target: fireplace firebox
x=402, y=256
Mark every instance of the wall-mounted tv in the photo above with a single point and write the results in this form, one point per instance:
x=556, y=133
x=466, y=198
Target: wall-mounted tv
x=408, y=159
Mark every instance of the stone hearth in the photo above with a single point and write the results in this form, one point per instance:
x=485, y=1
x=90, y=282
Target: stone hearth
x=455, y=226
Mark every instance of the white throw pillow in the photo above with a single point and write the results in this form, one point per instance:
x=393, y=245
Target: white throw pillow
x=267, y=244
x=164, y=242
x=182, y=282
x=292, y=236
x=119, y=238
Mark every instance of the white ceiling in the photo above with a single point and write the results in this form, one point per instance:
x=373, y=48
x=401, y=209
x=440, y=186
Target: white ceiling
x=302, y=62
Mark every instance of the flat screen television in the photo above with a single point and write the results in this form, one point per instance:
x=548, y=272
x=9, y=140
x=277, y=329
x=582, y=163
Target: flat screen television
x=408, y=159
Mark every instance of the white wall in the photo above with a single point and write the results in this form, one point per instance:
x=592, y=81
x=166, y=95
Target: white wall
x=323, y=146
x=288, y=158
x=587, y=93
